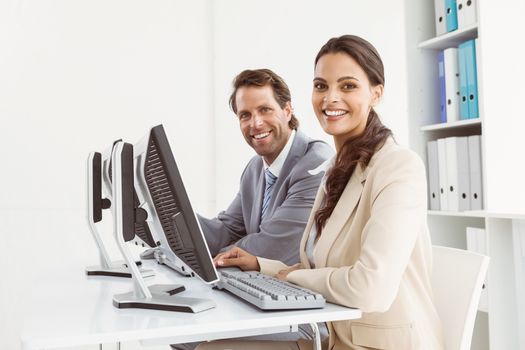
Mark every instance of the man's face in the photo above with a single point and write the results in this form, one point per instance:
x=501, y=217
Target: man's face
x=263, y=122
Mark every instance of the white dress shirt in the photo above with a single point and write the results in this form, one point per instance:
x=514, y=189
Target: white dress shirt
x=277, y=165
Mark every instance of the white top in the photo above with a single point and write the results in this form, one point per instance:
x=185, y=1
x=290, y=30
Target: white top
x=310, y=245
x=311, y=242
x=278, y=163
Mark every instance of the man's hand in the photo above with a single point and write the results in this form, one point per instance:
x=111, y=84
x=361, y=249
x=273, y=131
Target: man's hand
x=283, y=274
x=237, y=257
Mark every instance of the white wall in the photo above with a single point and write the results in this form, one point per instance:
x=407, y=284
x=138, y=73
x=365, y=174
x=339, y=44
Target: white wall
x=76, y=74
x=285, y=37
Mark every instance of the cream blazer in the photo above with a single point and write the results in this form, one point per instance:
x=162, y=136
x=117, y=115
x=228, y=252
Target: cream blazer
x=375, y=254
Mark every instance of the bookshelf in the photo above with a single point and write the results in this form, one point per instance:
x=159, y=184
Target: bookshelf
x=503, y=216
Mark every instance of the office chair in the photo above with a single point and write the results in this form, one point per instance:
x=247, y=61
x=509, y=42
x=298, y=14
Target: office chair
x=457, y=280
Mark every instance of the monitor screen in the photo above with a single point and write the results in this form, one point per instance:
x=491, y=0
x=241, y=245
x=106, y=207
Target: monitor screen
x=162, y=194
x=95, y=200
x=106, y=170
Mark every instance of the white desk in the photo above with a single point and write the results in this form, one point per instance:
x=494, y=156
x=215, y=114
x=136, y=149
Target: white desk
x=71, y=309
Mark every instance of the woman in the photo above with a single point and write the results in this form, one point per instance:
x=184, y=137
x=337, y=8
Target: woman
x=366, y=244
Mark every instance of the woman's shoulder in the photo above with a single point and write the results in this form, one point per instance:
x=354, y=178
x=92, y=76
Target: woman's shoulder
x=392, y=154
x=392, y=149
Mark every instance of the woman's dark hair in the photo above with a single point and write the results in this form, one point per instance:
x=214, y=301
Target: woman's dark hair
x=261, y=78
x=359, y=149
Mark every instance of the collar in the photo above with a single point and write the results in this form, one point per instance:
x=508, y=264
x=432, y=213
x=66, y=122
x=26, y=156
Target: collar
x=278, y=163
x=359, y=172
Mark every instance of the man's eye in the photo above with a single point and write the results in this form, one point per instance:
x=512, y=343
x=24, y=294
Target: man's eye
x=243, y=116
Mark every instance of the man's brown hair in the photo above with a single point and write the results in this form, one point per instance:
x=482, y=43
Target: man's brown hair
x=261, y=78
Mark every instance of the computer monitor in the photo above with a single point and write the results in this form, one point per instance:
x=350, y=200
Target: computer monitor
x=161, y=192
x=106, y=169
x=144, y=235
x=162, y=195
x=98, y=167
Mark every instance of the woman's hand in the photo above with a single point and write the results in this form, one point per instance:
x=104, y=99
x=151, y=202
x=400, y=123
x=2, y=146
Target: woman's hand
x=237, y=257
x=283, y=274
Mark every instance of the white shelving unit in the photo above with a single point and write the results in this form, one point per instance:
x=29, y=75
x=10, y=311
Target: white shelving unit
x=503, y=326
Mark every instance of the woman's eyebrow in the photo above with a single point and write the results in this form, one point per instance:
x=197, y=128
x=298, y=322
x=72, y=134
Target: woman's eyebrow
x=347, y=78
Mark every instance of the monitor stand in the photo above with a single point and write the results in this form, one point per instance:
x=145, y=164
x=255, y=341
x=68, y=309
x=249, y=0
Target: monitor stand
x=158, y=296
x=116, y=269
x=107, y=267
x=168, y=258
x=149, y=253
x=162, y=299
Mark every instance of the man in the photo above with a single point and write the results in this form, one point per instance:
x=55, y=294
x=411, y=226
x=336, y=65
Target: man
x=277, y=191
x=278, y=188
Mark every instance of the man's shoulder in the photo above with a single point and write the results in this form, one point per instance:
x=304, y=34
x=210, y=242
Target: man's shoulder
x=315, y=150
x=310, y=153
x=255, y=163
x=320, y=148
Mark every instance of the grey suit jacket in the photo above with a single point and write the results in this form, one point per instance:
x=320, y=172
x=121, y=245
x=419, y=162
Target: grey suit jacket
x=279, y=234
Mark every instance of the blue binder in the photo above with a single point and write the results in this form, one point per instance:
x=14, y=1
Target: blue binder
x=472, y=79
x=451, y=15
x=442, y=95
x=463, y=82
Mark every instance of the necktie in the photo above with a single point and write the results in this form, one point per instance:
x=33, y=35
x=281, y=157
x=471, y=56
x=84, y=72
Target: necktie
x=270, y=181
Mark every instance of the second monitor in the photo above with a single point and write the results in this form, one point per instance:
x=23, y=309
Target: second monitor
x=161, y=194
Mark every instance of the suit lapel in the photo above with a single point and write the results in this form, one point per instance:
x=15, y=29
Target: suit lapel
x=342, y=211
x=297, y=150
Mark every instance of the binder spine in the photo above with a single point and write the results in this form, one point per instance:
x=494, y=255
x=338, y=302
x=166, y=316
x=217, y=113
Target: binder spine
x=433, y=175
x=463, y=92
x=442, y=87
x=466, y=10
x=476, y=182
x=452, y=173
x=442, y=164
x=439, y=15
x=451, y=15
x=451, y=83
x=472, y=79
x=463, y=175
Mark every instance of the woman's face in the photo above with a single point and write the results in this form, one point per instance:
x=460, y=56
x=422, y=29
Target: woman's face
x=342, y=96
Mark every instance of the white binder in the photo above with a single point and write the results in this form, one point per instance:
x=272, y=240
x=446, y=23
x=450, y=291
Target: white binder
x=477, y=241
x=466, y=13
x=442, y=164
x=463, y=173
x=458, y=177
x=433, y=175
x=476, y=183
x=451, y=83
x=439, y=15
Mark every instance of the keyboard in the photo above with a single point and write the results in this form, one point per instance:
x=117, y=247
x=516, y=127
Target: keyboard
x=266, y=292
